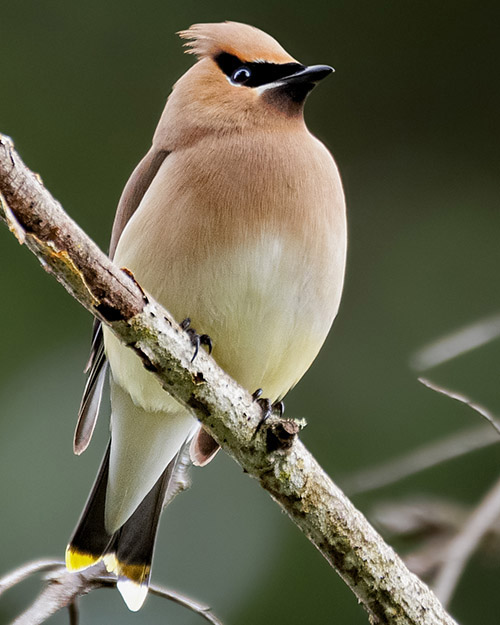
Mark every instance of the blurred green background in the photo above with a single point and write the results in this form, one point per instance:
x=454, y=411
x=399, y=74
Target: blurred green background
x=412, y=117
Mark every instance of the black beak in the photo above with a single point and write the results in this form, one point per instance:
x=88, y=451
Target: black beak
x=311, y=75
x=298, y=85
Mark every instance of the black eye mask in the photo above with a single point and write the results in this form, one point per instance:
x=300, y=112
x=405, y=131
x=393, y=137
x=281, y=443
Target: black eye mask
x=254, y=74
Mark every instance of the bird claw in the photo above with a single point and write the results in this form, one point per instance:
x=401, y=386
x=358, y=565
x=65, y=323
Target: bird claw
x=279, y=406
x=195, y=338
x=256, y=394
x=267, y=408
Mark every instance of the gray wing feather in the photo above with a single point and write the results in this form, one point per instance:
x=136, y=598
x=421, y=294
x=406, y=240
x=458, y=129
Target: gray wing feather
x=97, y=367
x=91, y=400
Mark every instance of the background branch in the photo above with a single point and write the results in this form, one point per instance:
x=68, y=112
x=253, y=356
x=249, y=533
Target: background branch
x=65, y=587
x=432, y=523
x=456, y=343
x=377, y=576
x=464, y=399
x=466, y=542
x=424, y=457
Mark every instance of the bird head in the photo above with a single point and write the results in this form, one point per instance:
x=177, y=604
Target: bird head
x=243, y=79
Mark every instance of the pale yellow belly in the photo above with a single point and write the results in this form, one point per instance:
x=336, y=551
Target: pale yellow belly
x=266, y=308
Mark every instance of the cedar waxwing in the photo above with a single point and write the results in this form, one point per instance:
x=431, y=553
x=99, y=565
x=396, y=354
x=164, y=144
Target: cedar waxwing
x=235, y=218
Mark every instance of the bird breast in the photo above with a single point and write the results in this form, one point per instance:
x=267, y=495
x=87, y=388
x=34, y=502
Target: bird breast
x=248, y=239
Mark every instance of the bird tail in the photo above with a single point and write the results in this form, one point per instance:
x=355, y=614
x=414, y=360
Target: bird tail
x=129, y=551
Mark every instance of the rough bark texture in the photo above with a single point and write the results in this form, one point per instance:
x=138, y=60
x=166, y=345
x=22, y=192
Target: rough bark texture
x=376, y=575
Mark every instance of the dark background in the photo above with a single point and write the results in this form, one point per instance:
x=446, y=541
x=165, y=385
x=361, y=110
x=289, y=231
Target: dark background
x=412, y=117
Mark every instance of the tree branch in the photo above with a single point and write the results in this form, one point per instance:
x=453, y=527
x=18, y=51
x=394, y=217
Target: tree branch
x=376, y=575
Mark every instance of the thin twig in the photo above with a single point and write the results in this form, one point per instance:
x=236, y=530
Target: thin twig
x=465, y=544
x=457, y=343
x=64, y=588
x=26, y=570
x=421, y=516
x=203, y=610
x=73, y=613
x=433, y=522
x=424, y=457
x=484, y=412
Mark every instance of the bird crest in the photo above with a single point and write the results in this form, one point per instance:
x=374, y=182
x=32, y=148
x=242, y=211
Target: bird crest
x=241, y=40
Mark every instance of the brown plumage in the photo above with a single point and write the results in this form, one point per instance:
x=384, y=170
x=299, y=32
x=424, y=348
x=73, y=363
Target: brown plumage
x=235, y=218
x=246, y=42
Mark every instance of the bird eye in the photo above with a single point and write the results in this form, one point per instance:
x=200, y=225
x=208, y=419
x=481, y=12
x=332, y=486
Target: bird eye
x=241, y=75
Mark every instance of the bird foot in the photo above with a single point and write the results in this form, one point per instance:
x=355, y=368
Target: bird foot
x=267, y=408
x=195, y=338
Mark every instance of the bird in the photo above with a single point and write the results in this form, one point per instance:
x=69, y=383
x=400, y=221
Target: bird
x=234, y=219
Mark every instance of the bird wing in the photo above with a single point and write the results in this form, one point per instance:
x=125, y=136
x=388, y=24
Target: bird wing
x=97, y=367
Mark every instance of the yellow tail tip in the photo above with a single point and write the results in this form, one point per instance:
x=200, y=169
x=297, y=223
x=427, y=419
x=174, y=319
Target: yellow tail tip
x=132, y=578
x=137, y=573
x=77, y=560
